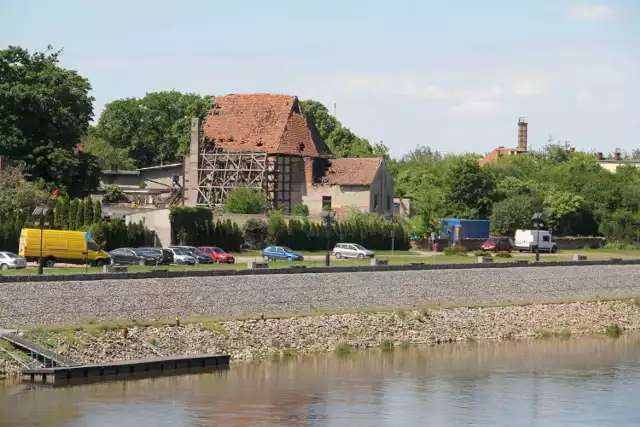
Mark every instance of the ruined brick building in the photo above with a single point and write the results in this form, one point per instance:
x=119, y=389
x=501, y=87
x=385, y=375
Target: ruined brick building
x=265, y=141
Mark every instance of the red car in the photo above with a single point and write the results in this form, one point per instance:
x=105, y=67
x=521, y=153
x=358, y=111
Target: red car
x=498, y=244
x=218, y=254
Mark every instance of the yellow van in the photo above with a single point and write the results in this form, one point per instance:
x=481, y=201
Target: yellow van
x=73, y=247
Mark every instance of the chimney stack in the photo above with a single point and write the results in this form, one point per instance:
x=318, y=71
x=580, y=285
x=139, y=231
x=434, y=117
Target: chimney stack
x=522, y=135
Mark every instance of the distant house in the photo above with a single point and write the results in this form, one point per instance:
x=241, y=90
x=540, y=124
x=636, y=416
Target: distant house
x=497, y=153
x=612, y=164
x=501, y=151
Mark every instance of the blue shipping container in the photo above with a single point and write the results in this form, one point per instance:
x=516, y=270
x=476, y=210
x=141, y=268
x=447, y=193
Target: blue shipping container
x=471, y=228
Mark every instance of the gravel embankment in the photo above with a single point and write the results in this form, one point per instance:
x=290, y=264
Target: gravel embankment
x=37, y=303
x=257, y=339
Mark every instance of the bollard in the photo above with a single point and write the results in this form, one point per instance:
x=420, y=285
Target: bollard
x=327, y=260
x=125, y=333
x=177, y=321
x=261, y=316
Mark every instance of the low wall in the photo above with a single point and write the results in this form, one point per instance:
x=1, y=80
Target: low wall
x=569, y=243
x=81, y=301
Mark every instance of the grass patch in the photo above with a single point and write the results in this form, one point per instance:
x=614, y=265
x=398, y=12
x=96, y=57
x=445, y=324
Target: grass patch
x=613, y=330
x=214, y=327
x=288, y=352
x=482, y=253
x=387, y=345
x=7, y=346
x=153, y=341
x=455, y=250
x=344, y=349
x=503, y=255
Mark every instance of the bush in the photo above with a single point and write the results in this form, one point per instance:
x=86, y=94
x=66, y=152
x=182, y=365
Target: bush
x=455, y=250
x=300, y=210
x=112, y=194
x=482, y=253
x=255, y=232
x=503, y=255
x=246, y=200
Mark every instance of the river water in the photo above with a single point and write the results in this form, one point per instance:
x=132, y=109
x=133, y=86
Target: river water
x=588, y=381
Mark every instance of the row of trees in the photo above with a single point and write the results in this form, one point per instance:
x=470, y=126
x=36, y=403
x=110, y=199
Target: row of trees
x=576, y=196
x=195, y=226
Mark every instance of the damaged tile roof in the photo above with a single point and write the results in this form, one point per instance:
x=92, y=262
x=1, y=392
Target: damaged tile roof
x=263, y=122
x=352, y=171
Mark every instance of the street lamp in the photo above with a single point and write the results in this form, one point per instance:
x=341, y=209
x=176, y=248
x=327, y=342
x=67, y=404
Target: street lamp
x=538, y=223
x=327, y=218
x=41, y=211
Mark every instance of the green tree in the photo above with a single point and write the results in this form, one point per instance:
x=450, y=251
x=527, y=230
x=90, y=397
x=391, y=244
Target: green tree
x=79, y=222
x=74, y=206
x=276, y=228
x=17, y=194
x=107, y=156
x=246, y=201
x=45, y=111
x=154, y=129
x=87, y=213
x=97, y=211
x=255, y=232
x=513, y=213
x=342, y=141
x=470, y=191
x=112, y=194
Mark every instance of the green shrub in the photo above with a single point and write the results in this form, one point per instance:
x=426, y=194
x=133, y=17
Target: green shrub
x=503, y=255
x=387, y=345
x=455, y=250
x=482, y=253
x=246, y=200
x=344, y=349
x=613, y=330
x=300, y=210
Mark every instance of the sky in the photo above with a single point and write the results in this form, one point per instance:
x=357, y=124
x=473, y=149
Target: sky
x=455, y=76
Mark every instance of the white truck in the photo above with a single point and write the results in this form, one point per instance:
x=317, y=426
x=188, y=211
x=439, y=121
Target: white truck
x=528, y=240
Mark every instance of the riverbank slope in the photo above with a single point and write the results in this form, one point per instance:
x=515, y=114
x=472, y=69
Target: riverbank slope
x=249, y=340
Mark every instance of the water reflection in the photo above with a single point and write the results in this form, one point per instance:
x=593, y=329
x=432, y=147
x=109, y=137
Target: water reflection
x=592, y=381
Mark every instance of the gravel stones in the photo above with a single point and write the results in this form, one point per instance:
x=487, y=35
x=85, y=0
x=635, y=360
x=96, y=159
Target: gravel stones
x=37, y=303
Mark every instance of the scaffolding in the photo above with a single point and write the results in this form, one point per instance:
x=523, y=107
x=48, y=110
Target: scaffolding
x=220, y=171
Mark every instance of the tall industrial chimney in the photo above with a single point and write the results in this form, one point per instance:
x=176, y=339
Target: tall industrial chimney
x=522, y=135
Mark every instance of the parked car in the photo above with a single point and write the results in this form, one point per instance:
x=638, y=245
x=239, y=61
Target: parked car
x=272, y=253
x=498, y=244
x=166, y=254
x=352, y=250
x=9, y=260
x=197, y=254
x=219, y=256
x=527, y=240
x=181, y=256
x=131, y=256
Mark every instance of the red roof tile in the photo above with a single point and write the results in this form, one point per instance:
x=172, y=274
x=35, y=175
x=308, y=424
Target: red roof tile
x=263, y=122
x=353, y=171
x=496, y=154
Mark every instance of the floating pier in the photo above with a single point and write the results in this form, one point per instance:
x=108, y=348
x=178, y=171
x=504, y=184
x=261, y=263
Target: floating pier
x=125, y=369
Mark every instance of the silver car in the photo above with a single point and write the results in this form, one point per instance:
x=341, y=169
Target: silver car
x=352, y=250
x=10, y=260
x=182, y=256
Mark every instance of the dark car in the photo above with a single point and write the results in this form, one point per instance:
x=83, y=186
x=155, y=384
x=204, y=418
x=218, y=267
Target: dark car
x=167, y=255
x=131, y=256
x=219, y=256
x=498, y=244
x=200, y=257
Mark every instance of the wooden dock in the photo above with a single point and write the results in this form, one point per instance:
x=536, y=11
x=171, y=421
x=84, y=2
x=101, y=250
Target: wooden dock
x=125, y=369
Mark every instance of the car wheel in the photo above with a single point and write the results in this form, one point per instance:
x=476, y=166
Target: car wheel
x=289, y=259
x=360, y=256
x=554, y=250
x=4, y=267
x=218, y=261
x=49, y=262
x=266, y=258
x=141, y=262
x=338, y=255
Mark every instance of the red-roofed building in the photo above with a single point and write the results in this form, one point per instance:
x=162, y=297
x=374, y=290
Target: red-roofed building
x=266, y=141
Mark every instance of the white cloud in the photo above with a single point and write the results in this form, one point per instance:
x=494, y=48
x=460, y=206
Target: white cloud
x=529, y=86
x=590, y=12
x=474, y=109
